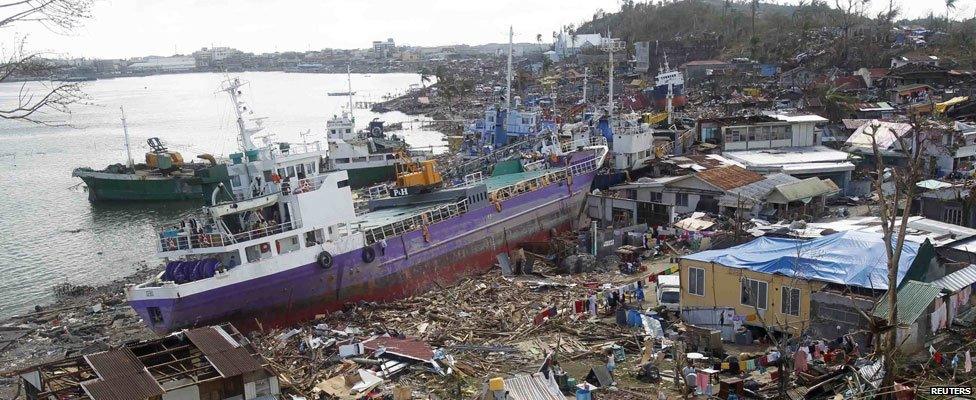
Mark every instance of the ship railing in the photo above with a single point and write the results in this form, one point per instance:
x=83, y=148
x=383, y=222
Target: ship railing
x=378, y=192
x=417, y=222
x=304, y=185
x=571, y=145
x=533, y=184
x=172, y=239
x=474, y=177
x=248, y=193
x=268, y=230
x=535, y=165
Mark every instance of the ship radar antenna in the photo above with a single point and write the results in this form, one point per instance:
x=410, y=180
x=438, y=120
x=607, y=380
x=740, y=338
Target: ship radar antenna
x=232, y=86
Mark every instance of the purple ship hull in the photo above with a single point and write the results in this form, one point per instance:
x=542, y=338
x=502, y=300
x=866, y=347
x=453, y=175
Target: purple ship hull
x=455, y=248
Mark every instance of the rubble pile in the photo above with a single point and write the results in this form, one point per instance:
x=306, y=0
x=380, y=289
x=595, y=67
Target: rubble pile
x=485, y=326
x=83, y=319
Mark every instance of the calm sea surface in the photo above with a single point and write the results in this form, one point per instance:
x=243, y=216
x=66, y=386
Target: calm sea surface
x=50, y=233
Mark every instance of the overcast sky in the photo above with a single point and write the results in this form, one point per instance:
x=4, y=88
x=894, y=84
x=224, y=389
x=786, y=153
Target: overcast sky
x=128, y=28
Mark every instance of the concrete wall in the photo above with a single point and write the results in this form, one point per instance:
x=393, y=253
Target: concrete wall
x=803, y=134
x=601, y=207
x=834, y=315
x=722, y=289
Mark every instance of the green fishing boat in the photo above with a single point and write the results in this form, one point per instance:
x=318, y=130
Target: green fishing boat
x=163, y=177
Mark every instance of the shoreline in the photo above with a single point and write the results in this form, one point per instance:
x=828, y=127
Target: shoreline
x=81, y=319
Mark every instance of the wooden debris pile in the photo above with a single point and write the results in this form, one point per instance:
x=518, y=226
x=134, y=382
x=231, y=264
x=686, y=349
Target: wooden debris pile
x=484, y=326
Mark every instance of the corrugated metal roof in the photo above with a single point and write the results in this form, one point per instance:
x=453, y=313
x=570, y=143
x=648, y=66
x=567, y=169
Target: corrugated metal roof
x=958, y=280
x=121, y=377
x=883, y=132
x=754, y=192
x=408, y=347
x=532, y=387
x=729, y=177
x=914, y=298
x=228, y=358
x=805, y=189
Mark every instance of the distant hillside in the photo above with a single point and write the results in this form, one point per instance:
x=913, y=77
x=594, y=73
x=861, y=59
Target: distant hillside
x=813, y=34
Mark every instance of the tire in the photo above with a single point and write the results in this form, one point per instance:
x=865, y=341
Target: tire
x=368, y=255
x=325, y=260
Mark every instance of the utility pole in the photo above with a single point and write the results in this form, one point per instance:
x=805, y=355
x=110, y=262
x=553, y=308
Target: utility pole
x=586, y=75
x=610, y=90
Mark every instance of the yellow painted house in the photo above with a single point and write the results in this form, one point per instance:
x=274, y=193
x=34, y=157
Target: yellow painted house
x=782, y=302
x=769, y=281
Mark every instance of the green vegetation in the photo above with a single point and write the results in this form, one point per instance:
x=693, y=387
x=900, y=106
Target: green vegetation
x=813, y=32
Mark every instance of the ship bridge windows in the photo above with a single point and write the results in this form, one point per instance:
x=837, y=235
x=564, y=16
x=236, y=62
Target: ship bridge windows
x=229, y=259
x=314, y=238
x=390, y=156
x=342, y=161
x=287, y=245
x=288, y=172
x=235, y=181
x=258, y=252
x=376, y=158
x=359, y=159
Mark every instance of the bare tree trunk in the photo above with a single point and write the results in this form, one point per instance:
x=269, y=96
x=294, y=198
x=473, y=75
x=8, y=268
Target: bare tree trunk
x=894, y=229
x=37, y=101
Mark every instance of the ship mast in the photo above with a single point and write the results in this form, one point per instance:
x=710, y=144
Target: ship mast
x=232, y=87
x=508, y=78
x=349, y=93
x=128, y=150
x=670, y=106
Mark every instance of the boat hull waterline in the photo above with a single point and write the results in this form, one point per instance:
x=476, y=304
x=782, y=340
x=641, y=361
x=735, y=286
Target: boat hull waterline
x=122, y=187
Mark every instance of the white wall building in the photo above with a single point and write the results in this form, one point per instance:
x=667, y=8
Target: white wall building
x=163, y=64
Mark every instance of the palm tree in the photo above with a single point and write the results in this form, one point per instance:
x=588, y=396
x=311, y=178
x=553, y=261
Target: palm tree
x=950, y=6
x=424, y=77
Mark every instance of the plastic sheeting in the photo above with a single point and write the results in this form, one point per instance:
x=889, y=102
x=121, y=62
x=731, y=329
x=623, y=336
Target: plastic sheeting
x=847, y=258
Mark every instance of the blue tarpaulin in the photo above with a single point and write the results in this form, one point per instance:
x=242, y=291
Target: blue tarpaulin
x=846, y=258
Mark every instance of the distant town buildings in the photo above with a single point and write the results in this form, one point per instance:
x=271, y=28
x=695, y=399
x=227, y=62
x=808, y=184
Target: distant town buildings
x=154, y=64
x=569, y=44
x=384, y=49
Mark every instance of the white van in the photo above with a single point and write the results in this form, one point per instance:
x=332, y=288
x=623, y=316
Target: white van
x=669, y=291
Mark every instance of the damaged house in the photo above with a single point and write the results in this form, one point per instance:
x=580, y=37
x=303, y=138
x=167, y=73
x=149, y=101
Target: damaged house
x=791, y=144
x=947, y=148
x=800, y=286
x=210, y=363
x=724, y=189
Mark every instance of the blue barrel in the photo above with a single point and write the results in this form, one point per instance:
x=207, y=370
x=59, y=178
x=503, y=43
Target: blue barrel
x=237, y=158
x=170, y=268
x=583, y=394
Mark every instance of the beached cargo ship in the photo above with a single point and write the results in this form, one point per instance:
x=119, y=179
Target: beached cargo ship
x=300, y=249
